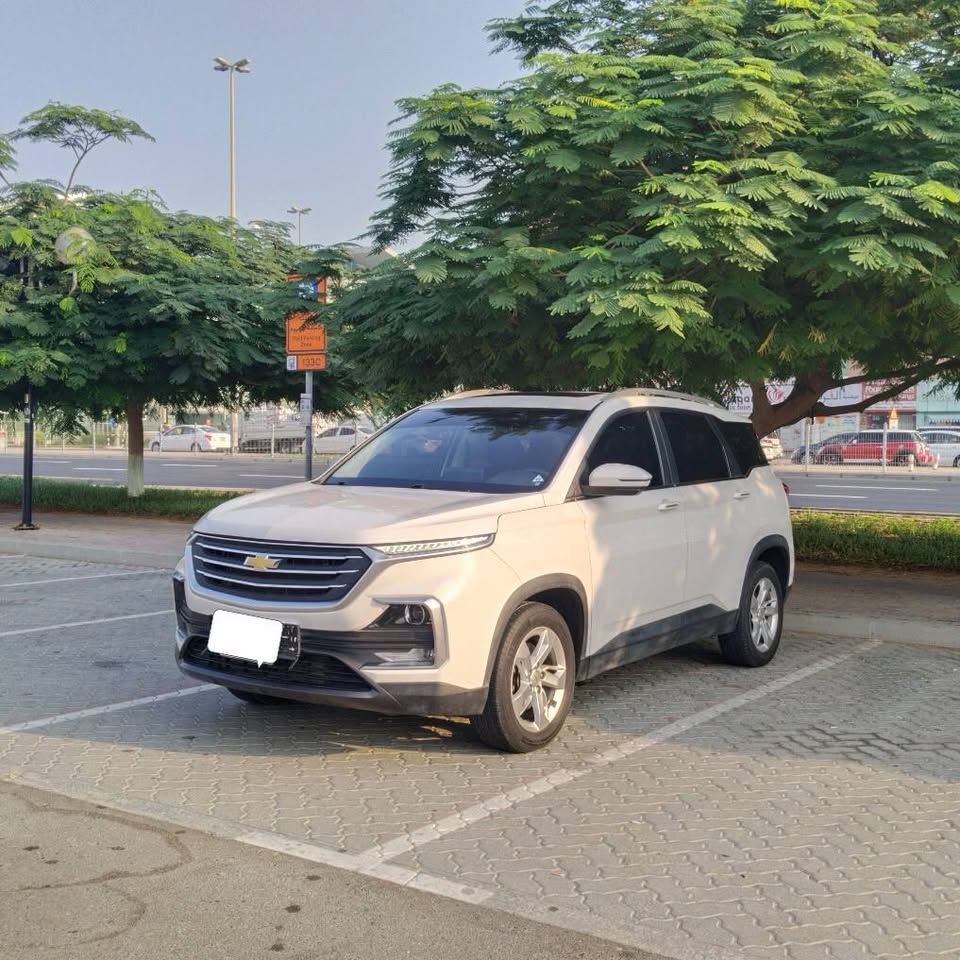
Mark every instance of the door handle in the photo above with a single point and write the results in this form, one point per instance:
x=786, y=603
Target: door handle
x=668, y=505
x=741, y=495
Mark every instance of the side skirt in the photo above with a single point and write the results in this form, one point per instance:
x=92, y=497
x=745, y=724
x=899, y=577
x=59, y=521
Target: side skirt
x=701, y=623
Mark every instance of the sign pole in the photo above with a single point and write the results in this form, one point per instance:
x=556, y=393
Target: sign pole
x=307, y=414
x=26, y=519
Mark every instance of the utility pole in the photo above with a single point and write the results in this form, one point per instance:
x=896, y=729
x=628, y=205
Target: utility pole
x=26, y=517
x=237, y=66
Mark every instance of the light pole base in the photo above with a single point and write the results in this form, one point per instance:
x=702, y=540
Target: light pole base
x=27, y=526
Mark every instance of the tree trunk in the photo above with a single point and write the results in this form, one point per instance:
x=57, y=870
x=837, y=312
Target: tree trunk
x=135, y=485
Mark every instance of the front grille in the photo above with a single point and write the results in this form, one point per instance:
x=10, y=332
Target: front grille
x=311, y=669
x=304, y=573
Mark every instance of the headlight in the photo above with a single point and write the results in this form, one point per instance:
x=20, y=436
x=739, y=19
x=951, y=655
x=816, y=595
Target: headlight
x=435, y=548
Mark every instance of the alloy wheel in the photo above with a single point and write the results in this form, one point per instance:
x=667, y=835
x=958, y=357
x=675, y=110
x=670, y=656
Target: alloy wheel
x=539, y=679
x=764, y=614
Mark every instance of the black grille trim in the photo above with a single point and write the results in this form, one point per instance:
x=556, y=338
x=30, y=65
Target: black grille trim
x=304, y=573
x=316, y=670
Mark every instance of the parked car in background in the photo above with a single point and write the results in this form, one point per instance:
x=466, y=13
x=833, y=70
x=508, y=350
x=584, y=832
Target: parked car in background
x=341, y=438
x=944, y=442
x=191, y=436
x=798, y=455
x=867, y=446
x=772, y=447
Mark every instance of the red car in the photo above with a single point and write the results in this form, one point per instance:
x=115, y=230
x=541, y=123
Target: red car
x=867, y=447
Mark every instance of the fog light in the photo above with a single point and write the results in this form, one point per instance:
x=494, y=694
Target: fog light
x=416, y=614
x=414, y=657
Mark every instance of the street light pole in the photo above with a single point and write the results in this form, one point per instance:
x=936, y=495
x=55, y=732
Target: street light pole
x=237, y=66
x=301, y=212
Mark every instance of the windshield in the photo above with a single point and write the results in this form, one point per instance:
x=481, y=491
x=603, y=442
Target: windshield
x=495, y=450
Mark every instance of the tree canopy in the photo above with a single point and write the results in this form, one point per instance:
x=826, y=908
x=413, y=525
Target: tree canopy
x=689, y=193
x=149, y=305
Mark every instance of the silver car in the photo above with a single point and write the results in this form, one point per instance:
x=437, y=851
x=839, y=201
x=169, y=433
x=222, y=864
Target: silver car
x=944, y=442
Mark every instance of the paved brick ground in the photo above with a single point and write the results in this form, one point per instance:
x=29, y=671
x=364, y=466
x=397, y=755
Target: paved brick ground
x=820, y=819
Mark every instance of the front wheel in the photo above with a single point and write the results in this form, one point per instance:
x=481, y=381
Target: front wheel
x=194, y=448
x=532, y=682
x=155, y=447
x=756, y=637
x=956, y=462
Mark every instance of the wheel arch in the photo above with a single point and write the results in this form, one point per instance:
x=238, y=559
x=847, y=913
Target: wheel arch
x=564, y=593
x=774, y=550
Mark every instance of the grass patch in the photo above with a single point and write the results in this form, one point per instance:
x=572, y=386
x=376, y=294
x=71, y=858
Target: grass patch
x=877, y=539
x=76, y=496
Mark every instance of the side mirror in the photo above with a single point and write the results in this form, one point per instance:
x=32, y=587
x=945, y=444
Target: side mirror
x=617, y=479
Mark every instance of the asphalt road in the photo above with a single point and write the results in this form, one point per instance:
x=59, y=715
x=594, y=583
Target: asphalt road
x=845, y=489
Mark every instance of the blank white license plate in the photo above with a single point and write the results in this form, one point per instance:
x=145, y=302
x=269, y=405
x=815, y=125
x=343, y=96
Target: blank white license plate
x=247, y=638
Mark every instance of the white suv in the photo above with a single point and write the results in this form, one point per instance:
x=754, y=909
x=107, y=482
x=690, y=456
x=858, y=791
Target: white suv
x=480, y=554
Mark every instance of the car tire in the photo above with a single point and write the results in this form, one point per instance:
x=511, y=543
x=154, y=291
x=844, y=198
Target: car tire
x=956, y=462
x=155, y=447
x=756, y=637
x=831, y=458
x=260, y=699
x=522, y=712
x=901, y=459
x=194, y=448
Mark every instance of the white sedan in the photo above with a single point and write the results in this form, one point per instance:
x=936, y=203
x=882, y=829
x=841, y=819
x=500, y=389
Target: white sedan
x=192, y=437
x=339, y=439
x=944, y=442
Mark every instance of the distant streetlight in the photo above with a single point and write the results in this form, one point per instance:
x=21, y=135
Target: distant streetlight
x=237, y=66
x=301, y=212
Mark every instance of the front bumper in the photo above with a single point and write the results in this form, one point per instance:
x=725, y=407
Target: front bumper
x=325, y=667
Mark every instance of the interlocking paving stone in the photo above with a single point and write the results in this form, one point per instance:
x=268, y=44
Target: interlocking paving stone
x=820, y=821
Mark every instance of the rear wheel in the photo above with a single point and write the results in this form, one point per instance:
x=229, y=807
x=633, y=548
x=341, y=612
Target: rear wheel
x=155, y=447
x=194, y=447
x=532, y=682
x=902, y=458
x=756, y=637
x=261, y=699
x=831, y=457
x=956, y=462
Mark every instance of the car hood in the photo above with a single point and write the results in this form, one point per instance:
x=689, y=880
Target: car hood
x=315, y=513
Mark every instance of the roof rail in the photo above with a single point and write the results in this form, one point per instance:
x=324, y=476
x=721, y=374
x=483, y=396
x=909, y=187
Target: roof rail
x=669, y=394
x=489, y=391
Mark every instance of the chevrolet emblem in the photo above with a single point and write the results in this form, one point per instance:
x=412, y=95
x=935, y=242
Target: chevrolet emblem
x=261, y=561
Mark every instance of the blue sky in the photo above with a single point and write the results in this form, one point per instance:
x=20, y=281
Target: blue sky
x=313, y=115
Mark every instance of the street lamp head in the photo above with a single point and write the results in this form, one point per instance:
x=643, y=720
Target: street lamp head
x=298, y=210
x=223, y=64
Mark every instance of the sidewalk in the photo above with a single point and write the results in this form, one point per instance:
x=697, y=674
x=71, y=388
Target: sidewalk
x=847, y=602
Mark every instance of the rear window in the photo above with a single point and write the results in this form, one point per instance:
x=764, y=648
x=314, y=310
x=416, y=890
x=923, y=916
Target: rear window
x=744, y=445
x=697, y=450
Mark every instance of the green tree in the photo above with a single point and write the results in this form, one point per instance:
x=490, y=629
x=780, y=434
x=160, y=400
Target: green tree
x=688, y=193
x=150, y=305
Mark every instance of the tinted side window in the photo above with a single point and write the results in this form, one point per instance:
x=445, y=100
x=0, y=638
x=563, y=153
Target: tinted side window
x=744, y=445
x=628, y=439
x=696, y=447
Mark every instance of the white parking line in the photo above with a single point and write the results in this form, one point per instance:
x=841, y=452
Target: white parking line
x=84, y=623
x=106, y=708
x=851, y=486
x=213, y=465
x=102, y=469
x=827, y=496
x=92, y=576
x=504, y=801
x=272, y=476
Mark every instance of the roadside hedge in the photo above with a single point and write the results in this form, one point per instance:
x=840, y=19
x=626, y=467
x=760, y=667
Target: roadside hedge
x=877, y=539
x=77, y=496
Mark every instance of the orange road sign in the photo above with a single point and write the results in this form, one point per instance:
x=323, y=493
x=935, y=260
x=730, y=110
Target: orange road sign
x=306, y=361
x=303, y=336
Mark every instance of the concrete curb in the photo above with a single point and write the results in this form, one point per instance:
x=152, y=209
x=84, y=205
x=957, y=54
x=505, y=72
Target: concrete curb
x=919, y=632
x=90, y=554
